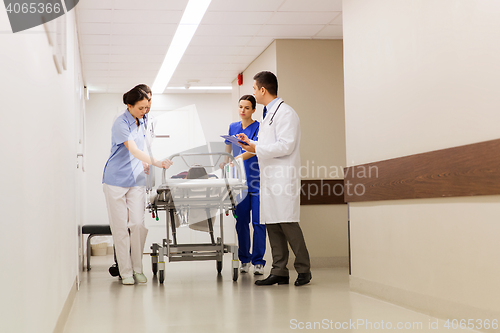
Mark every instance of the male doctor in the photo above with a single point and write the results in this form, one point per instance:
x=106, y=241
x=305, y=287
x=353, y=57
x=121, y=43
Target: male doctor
x=279, y=162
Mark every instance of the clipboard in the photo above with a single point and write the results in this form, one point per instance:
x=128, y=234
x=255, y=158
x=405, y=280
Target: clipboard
x=233, y=139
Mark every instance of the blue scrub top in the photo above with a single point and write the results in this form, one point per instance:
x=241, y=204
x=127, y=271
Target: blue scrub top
x=252, y=164
x=122, y=168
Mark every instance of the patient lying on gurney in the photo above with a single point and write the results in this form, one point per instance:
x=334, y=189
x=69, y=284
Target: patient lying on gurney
x=195, y=218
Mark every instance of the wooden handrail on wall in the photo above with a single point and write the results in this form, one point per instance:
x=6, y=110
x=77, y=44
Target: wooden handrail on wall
x=322, y=192
x=468, y=170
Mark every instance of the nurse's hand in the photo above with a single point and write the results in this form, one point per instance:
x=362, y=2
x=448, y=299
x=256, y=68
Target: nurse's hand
x=165, y=164
x=223, y=164
x=146, y=168
x=250, y=147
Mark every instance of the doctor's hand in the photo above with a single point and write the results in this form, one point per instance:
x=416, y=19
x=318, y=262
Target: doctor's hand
x=250, y=147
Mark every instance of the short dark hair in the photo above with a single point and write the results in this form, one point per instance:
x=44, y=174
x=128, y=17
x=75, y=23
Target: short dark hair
x=267, y=80
x=144, y=87
x=249, y=98
x=135, y=95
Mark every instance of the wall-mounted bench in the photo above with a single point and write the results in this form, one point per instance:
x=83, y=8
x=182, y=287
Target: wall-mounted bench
x=94, y=230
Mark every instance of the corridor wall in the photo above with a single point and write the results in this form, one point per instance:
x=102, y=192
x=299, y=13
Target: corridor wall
x=38, y=210
x=422, y=76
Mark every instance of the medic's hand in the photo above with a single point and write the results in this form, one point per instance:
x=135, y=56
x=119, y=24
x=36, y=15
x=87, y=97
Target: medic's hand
x=223, y=164
x=166, y=164
x=243, y=137
x=146, y=168
x=250, y=147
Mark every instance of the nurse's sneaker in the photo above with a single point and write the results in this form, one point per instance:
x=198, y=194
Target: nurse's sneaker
x=245, y=267
x=128, y=280
x=140, y=278
x=258, y=269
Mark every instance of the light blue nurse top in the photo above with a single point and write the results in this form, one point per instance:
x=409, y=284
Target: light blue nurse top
x=122, y=168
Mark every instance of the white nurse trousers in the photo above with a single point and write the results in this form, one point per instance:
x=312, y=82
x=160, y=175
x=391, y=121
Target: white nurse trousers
x=126, y=207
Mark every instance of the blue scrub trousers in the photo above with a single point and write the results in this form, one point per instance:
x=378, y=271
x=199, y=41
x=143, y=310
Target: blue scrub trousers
x=251, y=203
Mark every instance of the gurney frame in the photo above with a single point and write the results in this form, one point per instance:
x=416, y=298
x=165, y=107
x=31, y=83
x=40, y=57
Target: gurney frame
x=228, y=189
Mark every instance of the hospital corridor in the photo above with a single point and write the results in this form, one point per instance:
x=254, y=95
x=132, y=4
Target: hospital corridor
x=250, y=166
x=195, y=299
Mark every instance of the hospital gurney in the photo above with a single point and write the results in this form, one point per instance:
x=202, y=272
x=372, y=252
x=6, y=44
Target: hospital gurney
x=195, y=201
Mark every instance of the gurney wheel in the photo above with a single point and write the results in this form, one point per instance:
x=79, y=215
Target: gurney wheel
x=161, y=277
x=235, y=274
x=219, y=267
x=155, y=268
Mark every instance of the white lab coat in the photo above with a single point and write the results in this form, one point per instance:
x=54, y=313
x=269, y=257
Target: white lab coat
x=279, y=160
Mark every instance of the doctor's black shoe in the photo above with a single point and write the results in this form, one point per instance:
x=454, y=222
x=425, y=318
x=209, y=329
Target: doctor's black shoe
x=273, y=279
x=303, y=278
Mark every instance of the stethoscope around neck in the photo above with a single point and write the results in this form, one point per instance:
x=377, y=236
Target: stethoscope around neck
x=272, y=118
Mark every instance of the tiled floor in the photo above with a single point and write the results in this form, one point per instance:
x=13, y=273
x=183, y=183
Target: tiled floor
x=194, y=299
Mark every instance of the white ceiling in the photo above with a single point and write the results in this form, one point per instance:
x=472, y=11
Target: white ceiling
x=123, y=42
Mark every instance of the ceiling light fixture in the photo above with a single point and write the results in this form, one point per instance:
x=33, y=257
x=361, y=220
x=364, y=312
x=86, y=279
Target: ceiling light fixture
x=193, y=14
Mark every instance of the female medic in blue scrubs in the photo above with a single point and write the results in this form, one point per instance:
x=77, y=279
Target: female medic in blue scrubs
x=248, y=209
x=124, y=185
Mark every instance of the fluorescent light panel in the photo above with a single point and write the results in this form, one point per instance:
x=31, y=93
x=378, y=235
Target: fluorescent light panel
x=193, y=14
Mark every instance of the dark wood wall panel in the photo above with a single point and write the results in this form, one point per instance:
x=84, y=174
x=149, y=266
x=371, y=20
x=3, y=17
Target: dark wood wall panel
x=322, y=192
x=454, y=172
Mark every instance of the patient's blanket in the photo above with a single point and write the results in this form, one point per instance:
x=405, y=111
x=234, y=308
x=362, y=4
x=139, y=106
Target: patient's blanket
x=195, y=218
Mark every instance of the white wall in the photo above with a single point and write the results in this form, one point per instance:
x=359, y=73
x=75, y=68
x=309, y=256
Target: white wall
x=420, y=76
x=266, y=61
x=311, y=80
x=421, y=72
x=38, y=242
x=214, y=111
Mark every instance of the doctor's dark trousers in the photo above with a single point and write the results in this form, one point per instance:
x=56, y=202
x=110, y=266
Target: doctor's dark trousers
x=282, y=234
x=250, y=204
